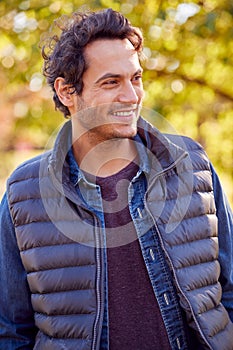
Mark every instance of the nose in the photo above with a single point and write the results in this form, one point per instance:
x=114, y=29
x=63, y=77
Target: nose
x=128, y=94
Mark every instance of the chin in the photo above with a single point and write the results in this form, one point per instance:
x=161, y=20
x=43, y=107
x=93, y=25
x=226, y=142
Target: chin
x=111, y=131
x=124, y=132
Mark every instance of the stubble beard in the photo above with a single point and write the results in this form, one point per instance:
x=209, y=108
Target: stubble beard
x=98, y=124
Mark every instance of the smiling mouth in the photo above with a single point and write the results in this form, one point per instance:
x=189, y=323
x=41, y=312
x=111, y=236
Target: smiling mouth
x=124, y=113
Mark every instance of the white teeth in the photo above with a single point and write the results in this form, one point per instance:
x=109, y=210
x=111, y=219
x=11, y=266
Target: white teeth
x=122, y=114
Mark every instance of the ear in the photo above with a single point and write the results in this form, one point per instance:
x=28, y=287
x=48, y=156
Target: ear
x=63, y=91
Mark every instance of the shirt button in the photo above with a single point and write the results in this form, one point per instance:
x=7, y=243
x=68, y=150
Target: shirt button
x=152, y=254
x=166, y=299
x=178, y=343
x=139, y=212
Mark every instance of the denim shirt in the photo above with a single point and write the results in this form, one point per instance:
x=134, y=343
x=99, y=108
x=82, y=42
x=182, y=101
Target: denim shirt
x=17, y=328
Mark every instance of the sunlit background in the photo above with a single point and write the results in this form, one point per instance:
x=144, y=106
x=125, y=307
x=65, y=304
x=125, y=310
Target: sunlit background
x=188, y=75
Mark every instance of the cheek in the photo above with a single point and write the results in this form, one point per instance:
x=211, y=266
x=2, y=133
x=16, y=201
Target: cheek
x=99, y=98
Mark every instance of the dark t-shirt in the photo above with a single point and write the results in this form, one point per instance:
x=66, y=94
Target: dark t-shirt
x=135, y=320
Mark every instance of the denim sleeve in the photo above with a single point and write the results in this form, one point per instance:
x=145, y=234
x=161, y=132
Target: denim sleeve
x=17, y=327
x=225, y=234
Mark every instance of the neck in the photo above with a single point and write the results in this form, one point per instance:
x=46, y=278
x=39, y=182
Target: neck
x=105, y=158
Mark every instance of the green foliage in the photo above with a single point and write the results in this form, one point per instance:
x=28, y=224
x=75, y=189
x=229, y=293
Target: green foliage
x=188, y=73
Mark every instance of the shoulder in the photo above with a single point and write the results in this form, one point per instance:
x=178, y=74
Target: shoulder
x=185, y=142
x=197, y=155
x=175, y=144
x=146, y=129
x=26, y=178
x=24, y=185
x=28, y=169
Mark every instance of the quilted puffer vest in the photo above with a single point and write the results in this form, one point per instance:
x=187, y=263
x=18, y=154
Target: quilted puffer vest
x=59, y=241
x=181, y=202
x=60, y=259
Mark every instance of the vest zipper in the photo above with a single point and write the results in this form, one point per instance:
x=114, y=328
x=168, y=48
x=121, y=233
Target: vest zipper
x=99, y=290
x=162, y=244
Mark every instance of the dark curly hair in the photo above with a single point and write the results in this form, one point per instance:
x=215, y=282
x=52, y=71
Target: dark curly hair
x=64, y=56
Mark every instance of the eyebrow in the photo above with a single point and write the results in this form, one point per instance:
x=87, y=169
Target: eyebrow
x=112, y=75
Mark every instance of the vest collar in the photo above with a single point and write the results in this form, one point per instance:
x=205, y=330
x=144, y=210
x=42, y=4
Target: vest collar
x=153, y=146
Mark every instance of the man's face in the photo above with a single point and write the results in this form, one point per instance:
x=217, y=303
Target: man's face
x=109, y=105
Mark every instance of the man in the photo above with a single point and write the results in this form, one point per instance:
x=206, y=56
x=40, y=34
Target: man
x=109, y=241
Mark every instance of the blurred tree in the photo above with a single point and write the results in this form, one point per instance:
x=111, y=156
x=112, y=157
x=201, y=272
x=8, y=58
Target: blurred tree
x=188, y=73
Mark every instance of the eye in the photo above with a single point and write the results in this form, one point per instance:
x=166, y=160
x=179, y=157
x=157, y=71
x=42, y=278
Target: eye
x=110, y=83
x=137, y=78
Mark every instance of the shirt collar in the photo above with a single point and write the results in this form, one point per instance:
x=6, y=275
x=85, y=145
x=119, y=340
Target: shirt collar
x=76, y=174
